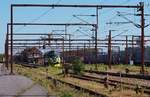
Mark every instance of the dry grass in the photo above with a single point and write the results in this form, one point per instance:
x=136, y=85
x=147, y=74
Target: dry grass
x=38, y=75
x=98, y=87
x=117, y=68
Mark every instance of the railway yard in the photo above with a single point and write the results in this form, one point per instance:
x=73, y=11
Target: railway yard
x=75, y=48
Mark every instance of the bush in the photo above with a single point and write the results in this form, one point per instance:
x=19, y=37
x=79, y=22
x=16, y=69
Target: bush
x=77, y=66
x=127, y=71
x=66, y=68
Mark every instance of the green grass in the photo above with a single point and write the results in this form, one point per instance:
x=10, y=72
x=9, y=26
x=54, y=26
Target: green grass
x=100, y=67
x=117, y=68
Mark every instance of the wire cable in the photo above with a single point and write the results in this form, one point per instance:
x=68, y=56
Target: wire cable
x=39, y=17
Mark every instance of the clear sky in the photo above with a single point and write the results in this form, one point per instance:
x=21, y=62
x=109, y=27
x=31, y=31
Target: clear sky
x=65, y=15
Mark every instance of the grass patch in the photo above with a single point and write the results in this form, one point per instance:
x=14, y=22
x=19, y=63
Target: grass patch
x=36, y=75
x=117, y=68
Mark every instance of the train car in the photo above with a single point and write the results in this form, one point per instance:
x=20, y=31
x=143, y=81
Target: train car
x=52, y=58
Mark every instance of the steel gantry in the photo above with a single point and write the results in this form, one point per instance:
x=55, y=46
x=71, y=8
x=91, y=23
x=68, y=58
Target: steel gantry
x=38, y=24
x=140, y=7
x=76, y=44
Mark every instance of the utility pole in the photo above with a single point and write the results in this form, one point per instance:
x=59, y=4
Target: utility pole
x=126, y=50
x=77, y=51
x=65, y=31
x=132, y=57
x=63, y=52
x=89, y=60
x=6, y=48
x=69, y=44
x=49, y=37
x=11, y=32
x=84, y=51
x=142, y=35
x=96, y=31
x=109, y=50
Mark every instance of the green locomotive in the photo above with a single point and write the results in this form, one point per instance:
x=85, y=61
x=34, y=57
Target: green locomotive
x=52, y=58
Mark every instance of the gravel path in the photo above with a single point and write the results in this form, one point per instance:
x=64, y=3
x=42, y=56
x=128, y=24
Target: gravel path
x=15, y=84
x=19, y=85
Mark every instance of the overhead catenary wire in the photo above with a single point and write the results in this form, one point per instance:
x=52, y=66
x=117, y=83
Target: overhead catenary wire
x=78, y=30
x=80, y=19
x=109, y=10
x=119, y=34
x=39, y=17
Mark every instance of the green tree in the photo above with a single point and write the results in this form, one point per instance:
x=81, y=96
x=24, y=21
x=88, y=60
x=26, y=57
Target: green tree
x=77, y=66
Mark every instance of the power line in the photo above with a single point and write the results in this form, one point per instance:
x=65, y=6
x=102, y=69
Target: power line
x=109, y=10
x=39, y=17
x=119, y=34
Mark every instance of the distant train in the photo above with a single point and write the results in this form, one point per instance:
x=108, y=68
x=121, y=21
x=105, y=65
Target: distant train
x=51, y=58
x=88, y=56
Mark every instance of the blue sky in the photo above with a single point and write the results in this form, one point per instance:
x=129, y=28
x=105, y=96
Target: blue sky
x=59, y=15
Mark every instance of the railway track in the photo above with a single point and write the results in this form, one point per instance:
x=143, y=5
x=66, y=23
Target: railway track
x=111, y=82
x=99, y=80
x=90, y=91
x=31, y=65
x=137, y=76
x=73, y=85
